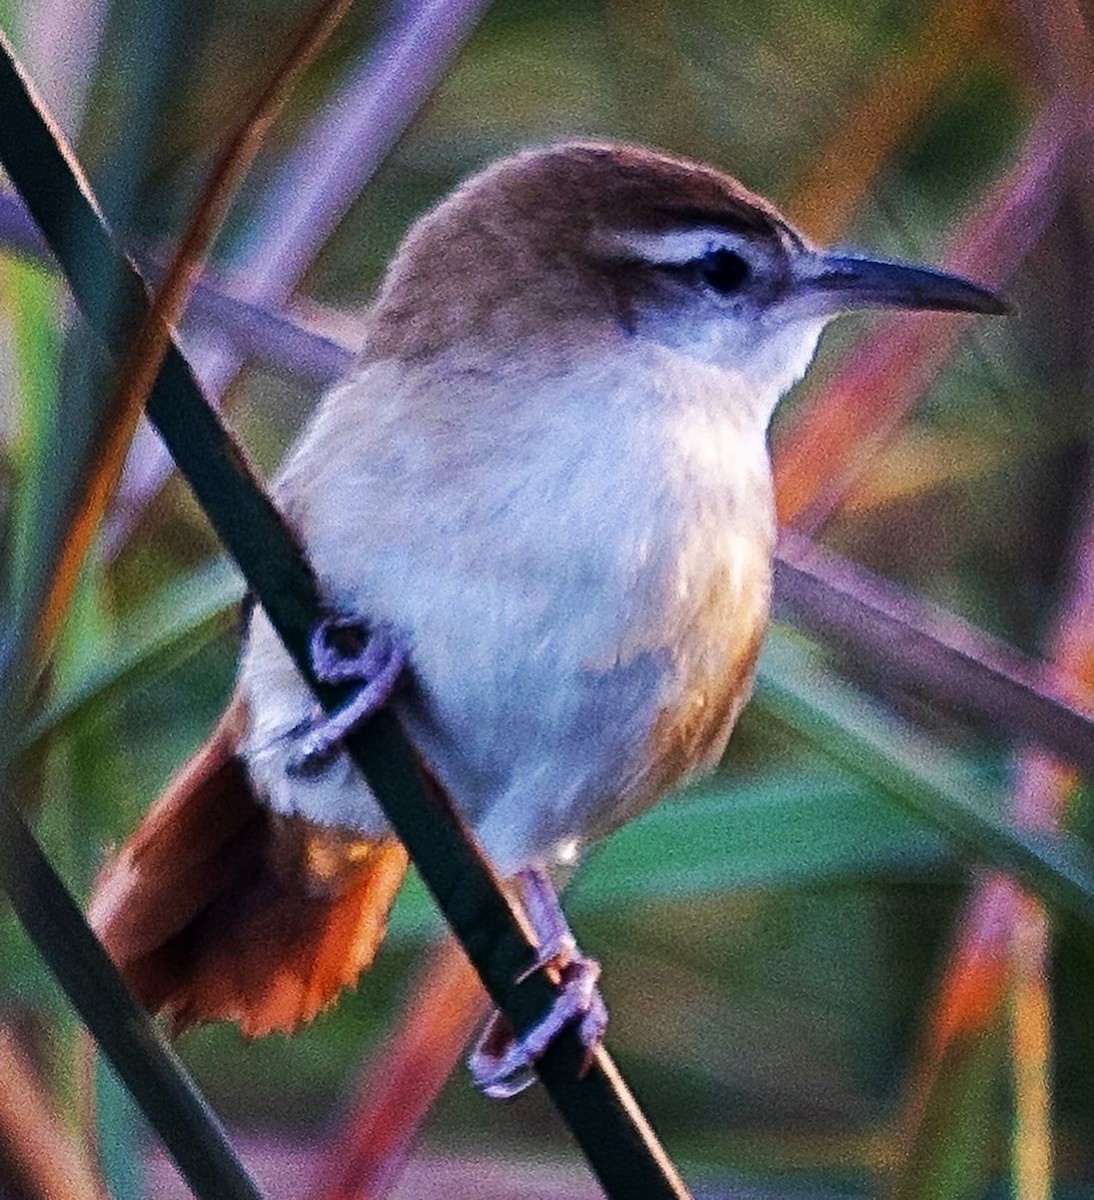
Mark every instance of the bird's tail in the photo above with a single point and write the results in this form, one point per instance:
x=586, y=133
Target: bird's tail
x=217, y=909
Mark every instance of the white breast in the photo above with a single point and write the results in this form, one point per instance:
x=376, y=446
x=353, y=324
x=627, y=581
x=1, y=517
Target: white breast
x=570, y=563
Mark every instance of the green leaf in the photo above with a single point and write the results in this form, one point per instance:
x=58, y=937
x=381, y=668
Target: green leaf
x=179, y=619
x=951, y=1155
x=776, y=831
x=934, y=783
x=35, y=362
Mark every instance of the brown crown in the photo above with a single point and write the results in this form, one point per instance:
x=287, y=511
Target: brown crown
x=516, y=251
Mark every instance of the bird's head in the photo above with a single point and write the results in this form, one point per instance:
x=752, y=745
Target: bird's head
x=579, y=247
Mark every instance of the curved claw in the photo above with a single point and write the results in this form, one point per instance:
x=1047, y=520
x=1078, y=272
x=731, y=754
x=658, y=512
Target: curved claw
x=346, y=651
x=502, y=1064
x=503, y=1072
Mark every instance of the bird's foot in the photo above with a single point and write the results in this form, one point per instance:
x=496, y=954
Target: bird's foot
x=344, y=650
x=501, y=1064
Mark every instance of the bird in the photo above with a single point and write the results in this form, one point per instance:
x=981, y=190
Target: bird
x=541, y=513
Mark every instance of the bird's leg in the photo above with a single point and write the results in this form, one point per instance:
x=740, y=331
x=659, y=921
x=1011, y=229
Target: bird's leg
x=344, y=650
x=501, y=1064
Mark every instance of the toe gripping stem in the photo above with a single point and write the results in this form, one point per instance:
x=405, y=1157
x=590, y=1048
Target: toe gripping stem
x=501, y=1063
x=345, y=650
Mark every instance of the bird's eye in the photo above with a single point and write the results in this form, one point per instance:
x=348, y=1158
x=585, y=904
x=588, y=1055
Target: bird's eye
x=725, y=271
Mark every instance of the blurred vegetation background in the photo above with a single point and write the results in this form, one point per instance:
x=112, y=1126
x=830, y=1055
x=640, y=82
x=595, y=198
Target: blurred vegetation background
x=814, y=991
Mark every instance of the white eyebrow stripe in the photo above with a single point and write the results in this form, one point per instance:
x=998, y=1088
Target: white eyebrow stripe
x=676, y=246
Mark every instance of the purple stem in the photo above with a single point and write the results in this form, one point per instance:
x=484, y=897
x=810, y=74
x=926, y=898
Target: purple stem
x=256, y=331
x=18, y=232
x=339, y=153
x=920, y=645
x=58, y=43
x=333, y=161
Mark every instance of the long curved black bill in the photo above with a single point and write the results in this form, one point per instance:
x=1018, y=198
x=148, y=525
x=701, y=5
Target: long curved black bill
x=854, y=282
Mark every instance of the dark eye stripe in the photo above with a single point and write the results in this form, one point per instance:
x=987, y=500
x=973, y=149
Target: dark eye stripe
x=720, y=269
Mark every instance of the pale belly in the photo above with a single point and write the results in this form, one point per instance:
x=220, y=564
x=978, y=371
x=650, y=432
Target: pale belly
x=570, y=750
x=547, y=724
x=581, y=614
